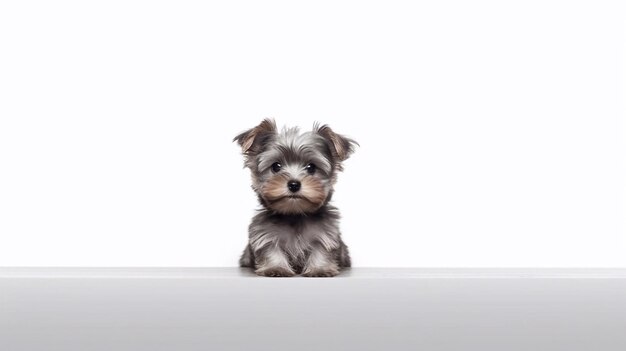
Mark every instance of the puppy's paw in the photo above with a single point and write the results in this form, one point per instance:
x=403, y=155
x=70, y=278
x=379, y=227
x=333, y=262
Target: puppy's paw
x=275, y=272
x=321, y=272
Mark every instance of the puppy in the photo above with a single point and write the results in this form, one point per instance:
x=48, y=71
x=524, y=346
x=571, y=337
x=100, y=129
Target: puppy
x=293, y=173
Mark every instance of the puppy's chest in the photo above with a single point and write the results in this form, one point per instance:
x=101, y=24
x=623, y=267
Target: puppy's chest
x=298, y=240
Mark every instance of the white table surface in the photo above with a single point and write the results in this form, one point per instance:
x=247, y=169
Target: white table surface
x=362, y=309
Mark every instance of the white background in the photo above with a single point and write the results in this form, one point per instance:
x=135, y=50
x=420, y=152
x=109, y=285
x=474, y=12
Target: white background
x=492, y=132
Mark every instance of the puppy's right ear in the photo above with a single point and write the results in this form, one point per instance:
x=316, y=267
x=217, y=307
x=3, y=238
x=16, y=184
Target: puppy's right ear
x=251, y=140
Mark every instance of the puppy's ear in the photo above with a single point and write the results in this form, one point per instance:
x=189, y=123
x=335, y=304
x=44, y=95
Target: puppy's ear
x=340, y=146
x=251, y=139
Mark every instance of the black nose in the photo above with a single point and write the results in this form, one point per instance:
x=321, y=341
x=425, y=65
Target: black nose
x=293, y=185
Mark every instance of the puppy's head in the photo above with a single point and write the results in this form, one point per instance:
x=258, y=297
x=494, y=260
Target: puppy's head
x=293, y=172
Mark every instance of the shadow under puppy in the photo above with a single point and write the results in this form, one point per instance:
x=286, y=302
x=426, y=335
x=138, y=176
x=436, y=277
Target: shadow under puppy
x=293, y=173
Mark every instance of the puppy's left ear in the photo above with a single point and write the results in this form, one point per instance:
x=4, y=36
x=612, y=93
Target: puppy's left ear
x=340, y=146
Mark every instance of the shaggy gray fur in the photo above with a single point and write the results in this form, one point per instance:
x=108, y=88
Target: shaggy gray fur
x=297, y=230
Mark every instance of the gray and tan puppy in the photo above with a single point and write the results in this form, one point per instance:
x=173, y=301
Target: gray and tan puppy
x=293, y=173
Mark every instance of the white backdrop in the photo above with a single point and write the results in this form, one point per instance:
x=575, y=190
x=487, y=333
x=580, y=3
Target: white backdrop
x=492, y=133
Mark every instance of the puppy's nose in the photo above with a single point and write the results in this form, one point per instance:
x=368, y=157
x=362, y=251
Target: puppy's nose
x=293, y=185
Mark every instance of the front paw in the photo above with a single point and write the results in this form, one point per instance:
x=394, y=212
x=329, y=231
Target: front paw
x=275, y=272
x=321, y=272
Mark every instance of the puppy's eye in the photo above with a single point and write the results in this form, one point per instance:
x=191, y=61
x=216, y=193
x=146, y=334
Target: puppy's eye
x=310, y=168
x=276, y=167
